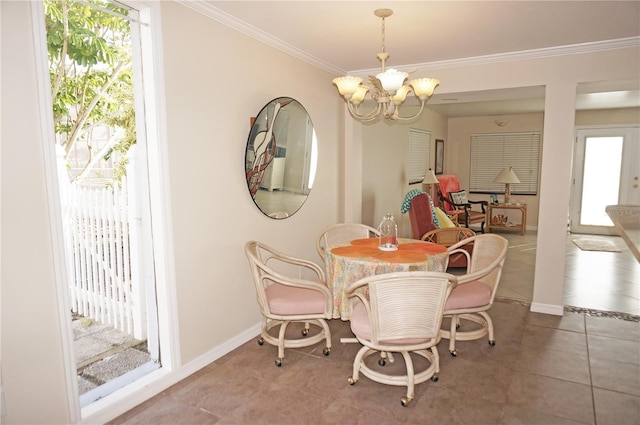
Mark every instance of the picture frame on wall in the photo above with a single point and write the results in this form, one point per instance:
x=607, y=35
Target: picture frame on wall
x=439, y=169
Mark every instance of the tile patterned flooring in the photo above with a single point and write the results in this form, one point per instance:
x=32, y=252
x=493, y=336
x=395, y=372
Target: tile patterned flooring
x=581, y=368
x=607, y=281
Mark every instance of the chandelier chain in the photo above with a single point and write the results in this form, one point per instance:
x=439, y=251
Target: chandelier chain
x=383, y=46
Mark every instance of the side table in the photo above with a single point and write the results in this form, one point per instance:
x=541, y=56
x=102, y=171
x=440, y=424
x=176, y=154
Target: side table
x=492, y=221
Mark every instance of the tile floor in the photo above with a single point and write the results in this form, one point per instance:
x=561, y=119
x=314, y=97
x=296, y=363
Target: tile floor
x=608, y=281
x=577, y=369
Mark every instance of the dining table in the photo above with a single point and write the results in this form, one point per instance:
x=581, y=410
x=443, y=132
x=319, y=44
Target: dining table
x=362, y=258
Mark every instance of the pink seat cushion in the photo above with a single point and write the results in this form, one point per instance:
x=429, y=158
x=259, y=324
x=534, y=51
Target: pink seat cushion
x=467, y=295
x=289, y=300
x=360, y=327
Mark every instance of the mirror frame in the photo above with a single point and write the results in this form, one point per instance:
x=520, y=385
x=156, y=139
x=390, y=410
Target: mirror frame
x=281, y=158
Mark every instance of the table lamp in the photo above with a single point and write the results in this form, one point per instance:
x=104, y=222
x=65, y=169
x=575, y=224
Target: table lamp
x=507, y=176
x=430, y=179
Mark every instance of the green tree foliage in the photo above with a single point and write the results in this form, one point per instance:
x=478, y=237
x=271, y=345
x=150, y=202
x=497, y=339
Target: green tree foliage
x=91, y=72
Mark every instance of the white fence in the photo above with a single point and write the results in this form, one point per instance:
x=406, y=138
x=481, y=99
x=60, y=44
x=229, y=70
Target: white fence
x=99, y=253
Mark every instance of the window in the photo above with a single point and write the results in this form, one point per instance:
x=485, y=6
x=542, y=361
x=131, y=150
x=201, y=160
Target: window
x=419, y=150
x=490, y=153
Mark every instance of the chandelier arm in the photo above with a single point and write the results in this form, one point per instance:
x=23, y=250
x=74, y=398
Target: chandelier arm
x=399, y=118
x=370, y=116
x=390, y=111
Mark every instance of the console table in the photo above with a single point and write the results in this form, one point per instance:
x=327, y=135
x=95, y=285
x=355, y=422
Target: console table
x=491, y=224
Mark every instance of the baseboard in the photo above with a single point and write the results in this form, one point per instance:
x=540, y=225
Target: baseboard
x=125, y=399
x=556, y=310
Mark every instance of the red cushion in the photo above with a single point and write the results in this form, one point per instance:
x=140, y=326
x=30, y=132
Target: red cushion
x=421, y=216
x=448, y=183
x=467, y=295
x=289, y=300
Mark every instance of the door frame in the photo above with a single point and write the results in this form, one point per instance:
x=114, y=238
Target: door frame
x=630, y=150
x=157, y=152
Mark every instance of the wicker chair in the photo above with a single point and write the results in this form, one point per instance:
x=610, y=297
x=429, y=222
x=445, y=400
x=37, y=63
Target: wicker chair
x=399, y=313
x=284, y=300
x=342, y=234
x=451, y=236
x=474, y=295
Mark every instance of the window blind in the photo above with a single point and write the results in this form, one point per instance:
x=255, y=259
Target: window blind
x=490, y=153
x=419, y=150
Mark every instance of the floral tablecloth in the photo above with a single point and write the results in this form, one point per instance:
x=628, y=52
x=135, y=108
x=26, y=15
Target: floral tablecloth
x=362, y=258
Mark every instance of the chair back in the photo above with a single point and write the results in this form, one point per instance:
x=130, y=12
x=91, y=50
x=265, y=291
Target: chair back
x=487, y=260
x=258, y=255
x=448, y=236
x=421, y=215
x=269, y=266
x=448, y=183
x=342, y=234
x=406, y=307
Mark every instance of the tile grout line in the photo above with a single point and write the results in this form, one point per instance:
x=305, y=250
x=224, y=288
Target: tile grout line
x=593, y=397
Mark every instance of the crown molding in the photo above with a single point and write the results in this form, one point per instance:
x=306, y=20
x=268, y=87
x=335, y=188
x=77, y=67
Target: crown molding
x=268, y=39
x=256, y=33
x=572, y=49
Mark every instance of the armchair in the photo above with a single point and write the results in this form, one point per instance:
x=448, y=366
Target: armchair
x=284, y=299
x=399, y=313
x=472, y=298
x=455, y=202
x=421, y=215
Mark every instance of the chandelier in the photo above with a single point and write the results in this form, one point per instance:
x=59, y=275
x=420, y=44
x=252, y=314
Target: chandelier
x=388, y=88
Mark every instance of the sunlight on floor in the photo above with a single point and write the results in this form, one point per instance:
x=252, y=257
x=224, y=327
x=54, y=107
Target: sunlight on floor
x=608, y=281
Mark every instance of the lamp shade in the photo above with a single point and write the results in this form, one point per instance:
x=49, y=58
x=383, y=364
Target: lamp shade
x=358, y=96
x=507, y=176
x=347, y=85
x=424, y=87
x=392, y=80
x=430, y=177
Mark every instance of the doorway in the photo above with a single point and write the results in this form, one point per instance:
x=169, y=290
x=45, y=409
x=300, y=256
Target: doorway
x=107, y=181
x=606, y=172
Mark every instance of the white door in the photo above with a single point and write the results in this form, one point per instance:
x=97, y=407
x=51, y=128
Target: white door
x=606, y=171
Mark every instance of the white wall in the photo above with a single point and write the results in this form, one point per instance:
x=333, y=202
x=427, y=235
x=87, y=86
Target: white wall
x=216, y=79
x=385, y=150
x=33, y=379
x=213, y=214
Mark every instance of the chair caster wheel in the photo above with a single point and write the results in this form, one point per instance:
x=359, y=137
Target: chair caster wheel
x=261, y=341
x=434, y=378
x=405, y=401
x=305, y=332
x=382, y=362
x=279, y=362
x=492, y=343
x=454, y=353
x=351, y=381
x=326, y=351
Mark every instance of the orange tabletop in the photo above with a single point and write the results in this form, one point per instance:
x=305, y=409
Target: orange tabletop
x=362, y=258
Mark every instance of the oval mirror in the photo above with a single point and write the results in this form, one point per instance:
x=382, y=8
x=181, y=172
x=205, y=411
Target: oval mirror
x=281, y=158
